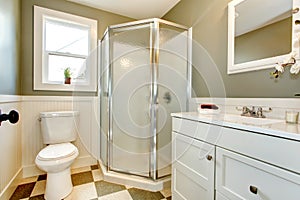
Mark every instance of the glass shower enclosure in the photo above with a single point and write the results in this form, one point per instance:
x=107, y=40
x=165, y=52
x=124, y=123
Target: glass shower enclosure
x=144, y=77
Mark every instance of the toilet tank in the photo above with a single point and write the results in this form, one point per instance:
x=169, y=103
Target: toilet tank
x=59, y=127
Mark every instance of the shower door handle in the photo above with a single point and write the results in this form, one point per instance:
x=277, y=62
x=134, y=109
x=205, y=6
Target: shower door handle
x=167, y=97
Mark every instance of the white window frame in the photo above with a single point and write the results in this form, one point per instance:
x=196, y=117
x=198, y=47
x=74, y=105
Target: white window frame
x=40, y=69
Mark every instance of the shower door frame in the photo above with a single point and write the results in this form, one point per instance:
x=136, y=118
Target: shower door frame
x=154, y=58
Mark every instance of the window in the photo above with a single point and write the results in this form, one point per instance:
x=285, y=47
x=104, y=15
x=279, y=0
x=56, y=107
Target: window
x=63, y=41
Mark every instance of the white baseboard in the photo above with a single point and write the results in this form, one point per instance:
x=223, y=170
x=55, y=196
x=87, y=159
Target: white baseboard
x=84, y=161
x=33, y=170
x=12, y=185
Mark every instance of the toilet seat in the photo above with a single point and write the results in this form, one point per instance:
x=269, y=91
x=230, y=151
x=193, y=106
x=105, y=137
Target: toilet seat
x=57, y=151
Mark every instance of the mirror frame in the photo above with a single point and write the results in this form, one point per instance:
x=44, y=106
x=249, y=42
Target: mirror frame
x=264, y=63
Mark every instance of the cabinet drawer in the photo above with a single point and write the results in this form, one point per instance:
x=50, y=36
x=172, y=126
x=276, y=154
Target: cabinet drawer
x=240, y=177
x=202, y=131
x=192, y=169
x=277, y=151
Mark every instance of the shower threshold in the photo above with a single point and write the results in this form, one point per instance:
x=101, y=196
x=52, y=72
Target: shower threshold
x=135, y=181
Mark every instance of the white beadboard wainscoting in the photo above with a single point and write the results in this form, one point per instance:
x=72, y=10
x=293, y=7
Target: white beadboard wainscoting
x=10, y=148
x=88, y=140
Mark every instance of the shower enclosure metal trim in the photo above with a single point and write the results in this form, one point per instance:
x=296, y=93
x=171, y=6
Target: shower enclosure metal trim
x=189, y=66
x=154, y=36
x=147, y=21
x=154, y=58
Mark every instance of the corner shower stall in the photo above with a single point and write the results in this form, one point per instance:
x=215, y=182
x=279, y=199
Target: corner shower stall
x=144, y=77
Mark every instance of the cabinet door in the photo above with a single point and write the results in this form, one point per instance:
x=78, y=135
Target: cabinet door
x=192, y=169
x=219, y=196
x=240, y=177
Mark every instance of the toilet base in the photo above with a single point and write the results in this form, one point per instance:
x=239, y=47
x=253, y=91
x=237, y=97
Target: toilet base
x=58, y=185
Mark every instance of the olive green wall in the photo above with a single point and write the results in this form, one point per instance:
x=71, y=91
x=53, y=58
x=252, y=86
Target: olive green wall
x=209, y=21
x=9, y=47
x=246, y=44
x=104, y=19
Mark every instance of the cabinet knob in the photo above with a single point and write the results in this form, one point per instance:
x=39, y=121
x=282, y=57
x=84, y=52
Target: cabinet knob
x=209, y=157
x=253, y=189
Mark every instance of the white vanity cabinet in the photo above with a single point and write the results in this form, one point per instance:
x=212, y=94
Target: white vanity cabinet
x=193, y=168
x=215, y=161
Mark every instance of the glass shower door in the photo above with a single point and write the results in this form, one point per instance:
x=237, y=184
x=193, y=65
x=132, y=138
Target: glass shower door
x=130, y=100
x=172, y=80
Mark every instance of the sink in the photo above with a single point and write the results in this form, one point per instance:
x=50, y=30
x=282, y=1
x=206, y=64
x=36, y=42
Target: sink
x=249, y=120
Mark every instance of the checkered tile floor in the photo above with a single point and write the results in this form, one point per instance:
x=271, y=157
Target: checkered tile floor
x=88, y=185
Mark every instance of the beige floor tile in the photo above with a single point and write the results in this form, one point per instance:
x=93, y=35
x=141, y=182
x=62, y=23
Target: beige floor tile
x=122, y=195
x=138, y=194
x=28, y=180
x=39, y=188
x=82, y=178
x=80, y=169
x=166, y=192
x=104, y=188
x=82, y=192
x=97, y=175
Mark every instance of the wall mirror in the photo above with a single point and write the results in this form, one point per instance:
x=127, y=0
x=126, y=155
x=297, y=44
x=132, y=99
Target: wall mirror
x=261, y=33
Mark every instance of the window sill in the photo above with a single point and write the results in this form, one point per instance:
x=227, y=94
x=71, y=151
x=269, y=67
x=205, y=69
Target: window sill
x=66, y=87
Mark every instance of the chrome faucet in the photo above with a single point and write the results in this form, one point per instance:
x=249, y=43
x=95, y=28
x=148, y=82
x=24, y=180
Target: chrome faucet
x=252, y=113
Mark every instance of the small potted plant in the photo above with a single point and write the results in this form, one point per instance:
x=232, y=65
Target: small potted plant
x=67, y=73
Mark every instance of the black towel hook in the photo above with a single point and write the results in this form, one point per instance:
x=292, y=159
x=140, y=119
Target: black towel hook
x=12, y=117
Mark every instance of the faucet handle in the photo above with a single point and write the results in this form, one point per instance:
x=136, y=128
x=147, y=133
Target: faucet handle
x=245, y=109
x=260, y=113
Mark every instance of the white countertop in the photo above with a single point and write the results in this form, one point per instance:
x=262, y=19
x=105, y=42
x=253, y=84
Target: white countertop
x=277, y=129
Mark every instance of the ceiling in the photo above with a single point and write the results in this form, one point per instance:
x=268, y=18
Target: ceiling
x=137, y=9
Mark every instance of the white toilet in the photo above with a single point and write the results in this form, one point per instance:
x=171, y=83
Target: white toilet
x=59, y=129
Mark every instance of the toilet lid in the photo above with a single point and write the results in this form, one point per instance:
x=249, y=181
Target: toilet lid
x=57, y=151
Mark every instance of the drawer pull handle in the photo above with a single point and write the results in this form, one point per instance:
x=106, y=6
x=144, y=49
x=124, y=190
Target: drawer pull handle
x=209, y=157
x=253, y=189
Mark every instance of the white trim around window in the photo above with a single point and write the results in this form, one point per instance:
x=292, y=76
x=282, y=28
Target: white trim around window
x=41, y=81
